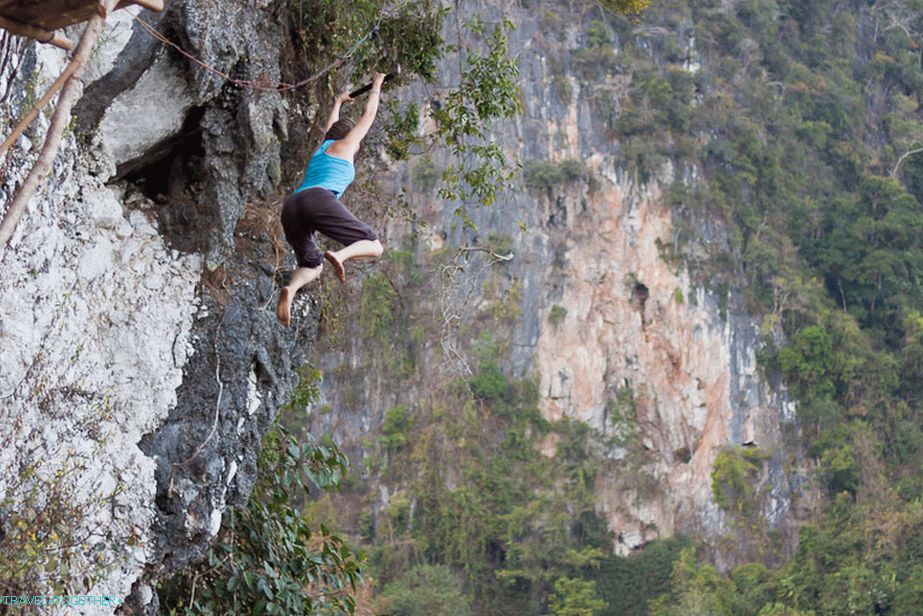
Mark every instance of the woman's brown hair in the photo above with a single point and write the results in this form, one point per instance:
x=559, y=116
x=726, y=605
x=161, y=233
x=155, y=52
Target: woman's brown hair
x=339, y=129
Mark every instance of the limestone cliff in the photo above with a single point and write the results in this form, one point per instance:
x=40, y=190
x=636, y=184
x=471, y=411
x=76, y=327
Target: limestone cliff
x=139, y=351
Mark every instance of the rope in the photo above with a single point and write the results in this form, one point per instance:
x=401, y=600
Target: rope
x=271, y=86
x=265, y=85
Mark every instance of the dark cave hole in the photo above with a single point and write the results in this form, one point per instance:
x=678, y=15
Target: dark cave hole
x=496, y=552
x=263, y=373
x=640, y=294
x=155, y=172
x=170, y=175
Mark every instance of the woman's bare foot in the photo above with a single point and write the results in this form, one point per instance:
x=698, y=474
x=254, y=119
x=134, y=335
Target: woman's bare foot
x=337, y=265
x=284, y=307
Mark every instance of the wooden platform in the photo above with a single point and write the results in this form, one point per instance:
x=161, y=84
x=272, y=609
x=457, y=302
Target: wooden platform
x=39, y=19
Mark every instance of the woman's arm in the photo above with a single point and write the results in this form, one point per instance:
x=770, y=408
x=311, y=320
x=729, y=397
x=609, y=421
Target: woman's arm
x=348, y=145
x=335, y=112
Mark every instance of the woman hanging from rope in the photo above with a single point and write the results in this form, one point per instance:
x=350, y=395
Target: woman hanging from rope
x=315, y=205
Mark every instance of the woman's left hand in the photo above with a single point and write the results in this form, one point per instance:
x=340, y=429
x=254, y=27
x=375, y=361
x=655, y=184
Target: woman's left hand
x=344, y=97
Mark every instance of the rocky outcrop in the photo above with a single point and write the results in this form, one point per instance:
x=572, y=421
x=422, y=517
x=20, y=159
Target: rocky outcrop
x=137, y=330
x=635, y=324
x=95, y=318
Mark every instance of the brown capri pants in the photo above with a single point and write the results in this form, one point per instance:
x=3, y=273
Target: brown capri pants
x=318, y=209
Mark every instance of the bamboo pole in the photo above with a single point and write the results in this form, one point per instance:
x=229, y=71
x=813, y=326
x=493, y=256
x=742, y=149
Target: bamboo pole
x=151, y=5
x=33, y=113
x=61, y=118
x=39, y=34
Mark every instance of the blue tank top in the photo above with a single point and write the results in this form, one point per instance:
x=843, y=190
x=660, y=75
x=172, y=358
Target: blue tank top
x=328, y=171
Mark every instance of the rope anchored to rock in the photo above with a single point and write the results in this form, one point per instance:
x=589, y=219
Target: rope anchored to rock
x=69, y=83
x=265, y=85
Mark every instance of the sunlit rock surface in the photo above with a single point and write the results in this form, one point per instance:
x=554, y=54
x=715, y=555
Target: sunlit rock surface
x=140, y=357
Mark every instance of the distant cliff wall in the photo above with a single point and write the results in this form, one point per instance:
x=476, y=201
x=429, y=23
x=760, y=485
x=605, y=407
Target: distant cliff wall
x=604, y=310
x=140, y=356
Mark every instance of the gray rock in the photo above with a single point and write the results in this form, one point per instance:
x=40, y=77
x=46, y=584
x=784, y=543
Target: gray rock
x=152, y=111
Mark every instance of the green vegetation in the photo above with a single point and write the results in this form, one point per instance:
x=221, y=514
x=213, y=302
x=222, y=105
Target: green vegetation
x=489, y=383
x=410, y=34
x=625, y=6
x=400, y=129
x=266, y=559
x=44, y=526
x=732, y=479
x=521, y=545
x=383, y=316
x=478, y=518
x=827, y=570
x=596, y=57
x=699, y=590
x=499, y=525
x=40, y=537
x=548, y=176
x=563, y=88
x=796, y=126
x=394, y=428
x=629, y=584
x=426, y=590
x=377, y=305
x=557, y=314
x=576, y=597
x=621, y=417
x=798, y=131
x=487, y=90
x=425, y=174
x=306, y=392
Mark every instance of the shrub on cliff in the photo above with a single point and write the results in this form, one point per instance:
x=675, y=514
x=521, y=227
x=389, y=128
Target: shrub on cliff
x=266, y=559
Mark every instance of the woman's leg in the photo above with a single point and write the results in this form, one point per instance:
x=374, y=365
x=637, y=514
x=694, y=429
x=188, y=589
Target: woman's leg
x=356, y=250
x=330, y=217
x=300, y=277
x=301, y=213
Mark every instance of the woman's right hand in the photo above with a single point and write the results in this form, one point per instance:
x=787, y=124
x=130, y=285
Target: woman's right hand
x=377, y=80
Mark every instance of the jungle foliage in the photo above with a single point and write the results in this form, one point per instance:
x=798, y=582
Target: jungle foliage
x=479, y=519
x=803, y=127
x=797, y=133
x=507, y=528
x=796, y=126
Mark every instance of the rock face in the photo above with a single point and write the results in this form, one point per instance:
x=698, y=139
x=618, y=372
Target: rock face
x=604, y=312
x=95, y=319
x=161, y=97
x=634, y=323
x=138, y=342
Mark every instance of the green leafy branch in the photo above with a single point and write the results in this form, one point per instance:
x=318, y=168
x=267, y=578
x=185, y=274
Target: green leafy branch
x=267, y=560
x=487, y=91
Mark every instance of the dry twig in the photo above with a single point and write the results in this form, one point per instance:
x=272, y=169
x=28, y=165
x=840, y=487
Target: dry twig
x=59, y=122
